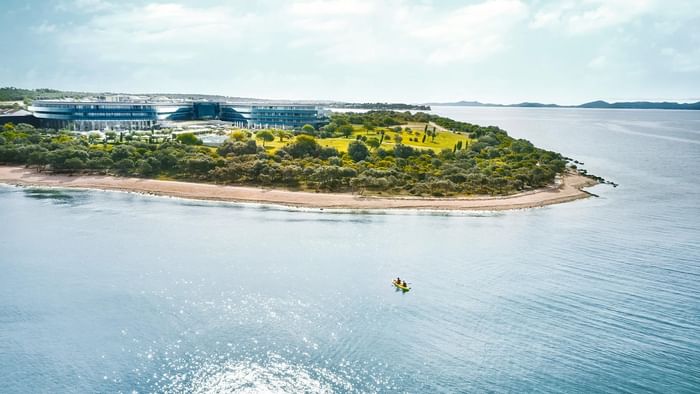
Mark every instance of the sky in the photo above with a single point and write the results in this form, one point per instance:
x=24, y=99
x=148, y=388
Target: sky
x=500, y=51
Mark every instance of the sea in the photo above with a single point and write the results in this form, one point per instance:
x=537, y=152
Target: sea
x=113, y=292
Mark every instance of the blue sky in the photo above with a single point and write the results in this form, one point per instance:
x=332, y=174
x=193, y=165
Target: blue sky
x=395, y=50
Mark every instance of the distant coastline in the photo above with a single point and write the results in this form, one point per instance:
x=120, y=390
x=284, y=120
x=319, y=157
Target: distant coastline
x=569, y=188
x=599, y=104
x=14, y=97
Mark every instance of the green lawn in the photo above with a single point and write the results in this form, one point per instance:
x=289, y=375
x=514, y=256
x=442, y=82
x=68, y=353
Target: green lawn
x=443, y=140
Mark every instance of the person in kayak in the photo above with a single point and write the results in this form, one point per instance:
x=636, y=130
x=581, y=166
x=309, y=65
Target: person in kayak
x=397, y=280
x=403, y=283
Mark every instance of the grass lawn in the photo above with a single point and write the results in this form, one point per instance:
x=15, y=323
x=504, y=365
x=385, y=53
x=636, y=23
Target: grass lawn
x=443, y=140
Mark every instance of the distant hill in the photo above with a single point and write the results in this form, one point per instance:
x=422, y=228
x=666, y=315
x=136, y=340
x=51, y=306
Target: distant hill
x=641, y=105
x=592, y=104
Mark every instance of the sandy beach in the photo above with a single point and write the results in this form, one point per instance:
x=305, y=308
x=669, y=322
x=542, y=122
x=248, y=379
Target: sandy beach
x=569, y=189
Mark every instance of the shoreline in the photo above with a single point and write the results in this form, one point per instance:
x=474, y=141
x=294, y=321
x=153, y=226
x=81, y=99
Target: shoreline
x=569, y=189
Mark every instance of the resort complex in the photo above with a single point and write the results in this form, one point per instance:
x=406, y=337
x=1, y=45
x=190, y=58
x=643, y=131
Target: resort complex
x=139, y=114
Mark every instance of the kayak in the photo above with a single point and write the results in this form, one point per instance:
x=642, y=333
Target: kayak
x=398, y=285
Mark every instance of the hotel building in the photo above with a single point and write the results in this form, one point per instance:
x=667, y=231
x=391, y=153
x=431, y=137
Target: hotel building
x=141, y=115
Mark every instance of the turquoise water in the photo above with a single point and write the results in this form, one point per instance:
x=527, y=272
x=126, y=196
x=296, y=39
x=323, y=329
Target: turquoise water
x=117, y=292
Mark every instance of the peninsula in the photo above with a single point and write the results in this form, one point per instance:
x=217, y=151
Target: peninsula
x=569, y=188
x=372, y=160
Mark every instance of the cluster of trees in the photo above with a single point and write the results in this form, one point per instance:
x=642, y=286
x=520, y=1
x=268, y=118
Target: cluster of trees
x=493, y=163
x=382, y=106
x=340, y=123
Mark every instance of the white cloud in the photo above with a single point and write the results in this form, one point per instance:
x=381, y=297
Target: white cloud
x=333, y=7
x=157, y=33
x=591, y=15
x=85, y=6
x=190, y=43
x=45, y=28
x=384, y=31
x=334, y=32
x=688, y=61
x=598, y=62
x=471, y=32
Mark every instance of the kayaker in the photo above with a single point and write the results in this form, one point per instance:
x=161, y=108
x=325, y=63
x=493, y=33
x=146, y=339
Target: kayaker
x=398, y=280
x=403, y=283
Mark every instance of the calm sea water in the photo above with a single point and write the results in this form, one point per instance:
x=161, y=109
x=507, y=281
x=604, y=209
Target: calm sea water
x=116, y=292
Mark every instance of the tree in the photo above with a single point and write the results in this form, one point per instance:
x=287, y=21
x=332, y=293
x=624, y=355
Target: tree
x=38, y=157
x=92, y=137
x=358, y=151
x=144, y=168
x=189, y=139
x=265, y=136
x=304, y=145
x=122, y=152
x=124, y=166
x=199, y=163
x=238, y=135
x=330, y=128
x=345, y=130
x=308, y=129
x=238, y=148
x=369, y=126
x=373, y=143
x=111, y=135
x=282, y=134
x=73, y=163
x=404, y=151
x=398, y=139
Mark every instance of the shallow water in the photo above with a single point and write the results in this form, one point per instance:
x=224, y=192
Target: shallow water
x=117, y=292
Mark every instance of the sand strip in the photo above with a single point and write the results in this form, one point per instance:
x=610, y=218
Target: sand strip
x=568, y=190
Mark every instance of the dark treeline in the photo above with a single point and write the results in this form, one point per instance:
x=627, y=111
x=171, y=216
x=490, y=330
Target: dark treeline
x=17, y=94
x=392, y=118
x=382, y=106
x=490, y=163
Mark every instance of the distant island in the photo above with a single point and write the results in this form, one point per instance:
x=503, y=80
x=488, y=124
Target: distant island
x=593, y=104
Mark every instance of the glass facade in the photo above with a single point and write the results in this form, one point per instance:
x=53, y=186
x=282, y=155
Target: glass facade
x=143, y=115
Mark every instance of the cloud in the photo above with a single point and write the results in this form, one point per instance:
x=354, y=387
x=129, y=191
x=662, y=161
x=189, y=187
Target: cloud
x=334, y=44
x=85, y=6
x=473, y=32
x=384, y=31
x=688, y=61
x=598, y=62
x=45, y=28
x=156, y=33
x=592, y=15
x=329, y=8
x=347, y=32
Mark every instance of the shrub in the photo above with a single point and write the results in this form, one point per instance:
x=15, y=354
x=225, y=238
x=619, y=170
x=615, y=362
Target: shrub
x=189, y=139
x=358, y=151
